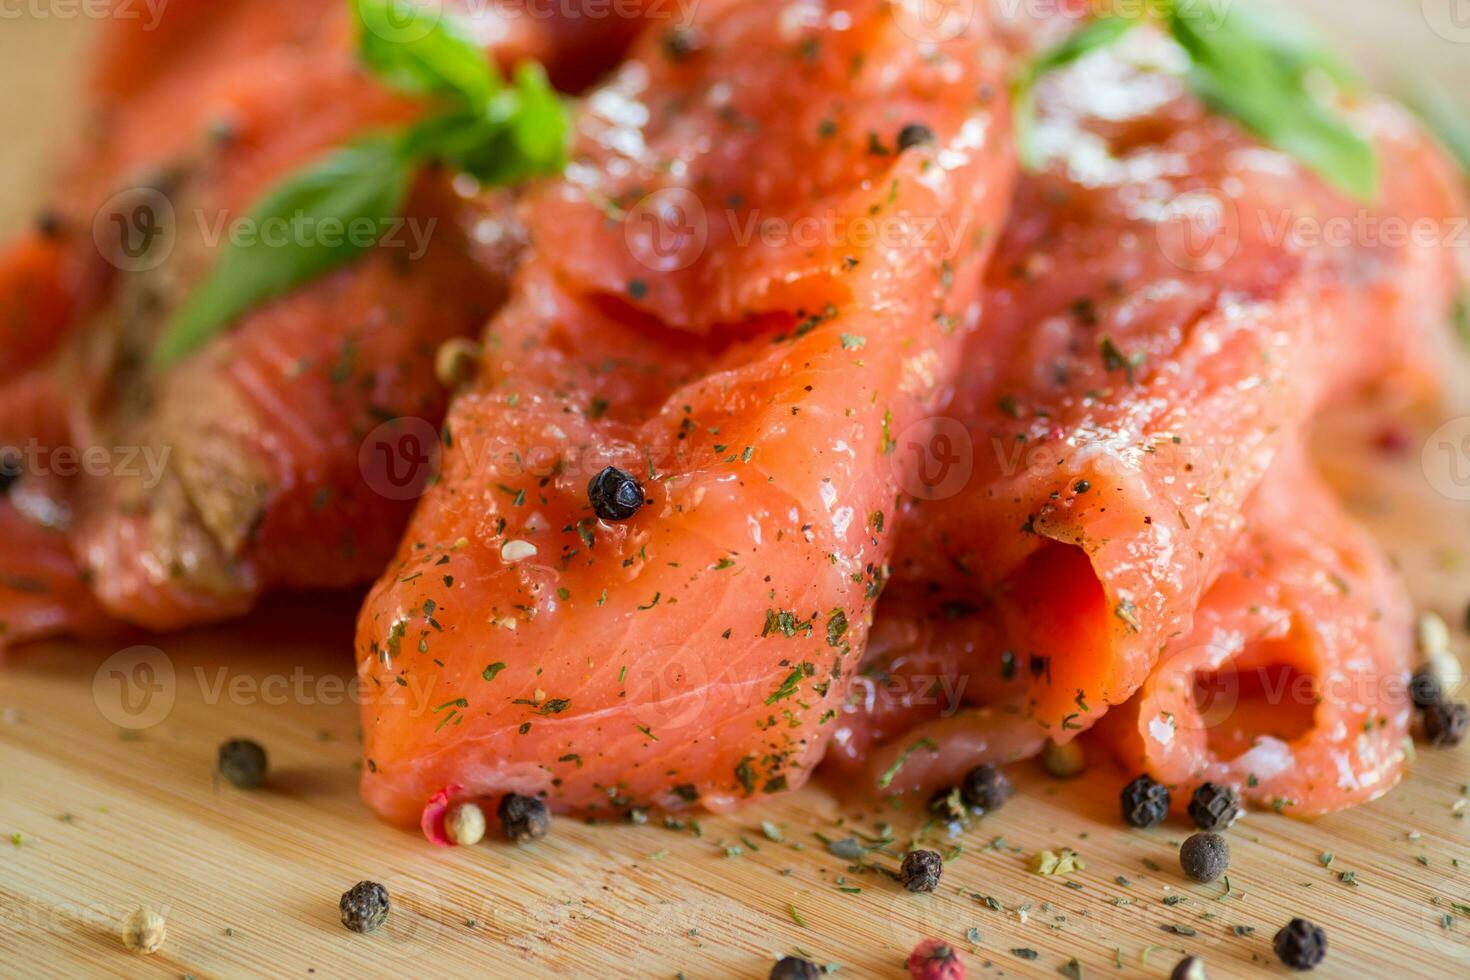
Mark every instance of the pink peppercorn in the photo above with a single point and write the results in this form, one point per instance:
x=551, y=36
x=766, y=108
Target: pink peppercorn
x=935, y=960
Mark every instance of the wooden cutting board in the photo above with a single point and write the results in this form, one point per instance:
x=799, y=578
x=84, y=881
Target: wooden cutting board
x=107, y=801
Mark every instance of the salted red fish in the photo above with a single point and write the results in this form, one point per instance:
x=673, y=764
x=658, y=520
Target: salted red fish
x=755, y=385
x=42, y=592
x=1292, y=686
x=267, y=434
x=1157, y=331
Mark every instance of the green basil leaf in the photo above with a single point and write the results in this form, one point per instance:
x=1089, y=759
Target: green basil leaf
x=1264, y=86
x=365, y=181
x=1093, y=36
x=422, y=50
x=520, y=133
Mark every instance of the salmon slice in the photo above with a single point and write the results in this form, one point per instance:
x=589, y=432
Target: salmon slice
x=42, y=592
x=1292, y=687
x=266, y=437
x=756, y=388
x=1159, y=326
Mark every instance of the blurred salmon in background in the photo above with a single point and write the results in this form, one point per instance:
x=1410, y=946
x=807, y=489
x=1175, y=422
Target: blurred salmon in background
x=190, y=116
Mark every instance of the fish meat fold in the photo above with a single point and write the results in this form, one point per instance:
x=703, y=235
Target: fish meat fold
x=1292, y=686
x=1161, y=323
x=739, y=296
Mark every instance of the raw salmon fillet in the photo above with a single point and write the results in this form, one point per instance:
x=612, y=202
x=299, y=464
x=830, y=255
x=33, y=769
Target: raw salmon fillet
x=267, y=433
x=1157, y=331
x=1292, y=686
x=669, y=321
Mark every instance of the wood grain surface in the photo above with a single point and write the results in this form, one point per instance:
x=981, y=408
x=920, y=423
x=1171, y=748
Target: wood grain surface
x=107, y=798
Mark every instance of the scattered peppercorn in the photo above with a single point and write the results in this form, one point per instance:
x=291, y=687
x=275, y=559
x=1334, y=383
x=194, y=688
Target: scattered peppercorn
x=1145, y=803
x=795, y=968
x=935, y=960
x=242, y=762
x=914, y=134
x=1205, y=857
x=1214, y=807
x=921, y=870
x=464, y=824
x=680, y=42
x=986, y=787
x=1425, y=689
x=456, y=362
x=1063, y=761
x=364, y=906
x=1189, y=968
x=145, y=931
x=615, y=494
x=9, y=471
x=1445, y=723
x=49, y=223
x=1301, y=945
x=523, y=818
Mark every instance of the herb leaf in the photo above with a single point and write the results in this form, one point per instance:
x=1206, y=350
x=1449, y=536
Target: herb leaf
x=496, y=133
x=1251, y=68
x=1260, y=79
x=1093, y=36
x=367, y=180
x=420, y=50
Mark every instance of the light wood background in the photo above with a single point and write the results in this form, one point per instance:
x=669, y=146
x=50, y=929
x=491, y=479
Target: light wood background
x=97, y=817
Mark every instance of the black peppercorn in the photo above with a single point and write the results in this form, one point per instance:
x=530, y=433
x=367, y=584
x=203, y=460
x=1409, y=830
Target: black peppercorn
x=1145, y=803
x=921, y=870
x=1214, y=807
x=680, y=42
x=49, y=224
x=9, y=471
x=986, y=787
x=523, y=818
x=795, y=968
x=1445, y=723
x=1205, y=857
x=1189, y=968
x=242, y=762
x=1301, y=945
x=914, y=134
x=615, y=494
x=1425, y=690
x=364, y=906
